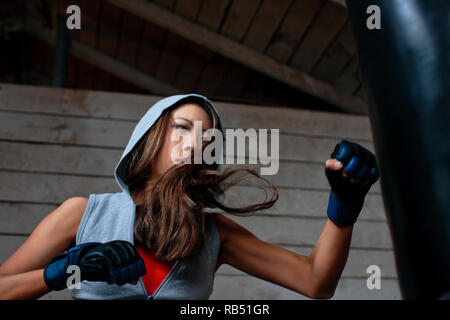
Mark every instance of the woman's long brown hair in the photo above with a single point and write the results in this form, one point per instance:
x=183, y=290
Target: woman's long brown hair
x=171, y=221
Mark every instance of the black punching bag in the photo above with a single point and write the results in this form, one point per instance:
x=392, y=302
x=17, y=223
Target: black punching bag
x=406, y=76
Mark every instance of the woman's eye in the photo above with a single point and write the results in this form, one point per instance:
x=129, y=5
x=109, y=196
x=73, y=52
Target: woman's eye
x=180, y=126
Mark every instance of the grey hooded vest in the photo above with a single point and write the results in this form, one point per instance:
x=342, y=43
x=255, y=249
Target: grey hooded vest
x=110, y=216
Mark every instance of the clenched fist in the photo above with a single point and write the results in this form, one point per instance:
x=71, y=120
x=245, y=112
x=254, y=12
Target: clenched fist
x=351, y=171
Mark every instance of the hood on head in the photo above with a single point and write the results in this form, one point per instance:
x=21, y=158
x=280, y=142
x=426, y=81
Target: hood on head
x=145, y=123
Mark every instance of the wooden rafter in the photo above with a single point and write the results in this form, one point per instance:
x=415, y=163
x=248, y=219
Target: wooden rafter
x=242, y=54
x=103, y=61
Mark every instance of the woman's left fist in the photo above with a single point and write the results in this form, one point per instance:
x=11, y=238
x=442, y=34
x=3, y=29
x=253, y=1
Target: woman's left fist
x=351, y=171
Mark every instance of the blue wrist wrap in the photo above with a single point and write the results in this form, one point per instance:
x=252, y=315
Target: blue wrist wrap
x=341, y=213
x=55, y=274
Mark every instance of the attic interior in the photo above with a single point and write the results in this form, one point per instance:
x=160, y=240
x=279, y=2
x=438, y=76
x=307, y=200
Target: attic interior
x=292, y=53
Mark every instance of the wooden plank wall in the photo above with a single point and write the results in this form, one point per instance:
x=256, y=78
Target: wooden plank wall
x=60, y=143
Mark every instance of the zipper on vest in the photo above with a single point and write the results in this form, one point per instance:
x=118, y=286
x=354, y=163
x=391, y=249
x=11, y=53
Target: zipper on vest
x=167, y=278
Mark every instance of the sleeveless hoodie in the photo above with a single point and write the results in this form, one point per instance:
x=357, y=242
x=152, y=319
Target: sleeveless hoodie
x=110, y=216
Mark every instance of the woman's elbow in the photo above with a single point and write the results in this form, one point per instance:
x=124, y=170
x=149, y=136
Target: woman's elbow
x=322, y=294
x=319, y=291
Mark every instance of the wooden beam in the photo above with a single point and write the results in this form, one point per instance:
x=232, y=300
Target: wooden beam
x=242, y=54
x=104, y=61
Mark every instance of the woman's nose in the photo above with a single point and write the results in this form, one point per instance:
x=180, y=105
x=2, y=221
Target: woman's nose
x=189, y=146
x=188, y=149
x=194, y=143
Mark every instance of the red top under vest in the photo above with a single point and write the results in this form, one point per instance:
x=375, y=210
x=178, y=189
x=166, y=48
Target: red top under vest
x=157, y=270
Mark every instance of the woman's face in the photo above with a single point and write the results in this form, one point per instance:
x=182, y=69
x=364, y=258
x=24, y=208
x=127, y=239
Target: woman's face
x=181, y=125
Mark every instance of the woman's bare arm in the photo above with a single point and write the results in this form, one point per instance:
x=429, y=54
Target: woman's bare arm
x=21, y=276
x=329, y=256
x=315, y=276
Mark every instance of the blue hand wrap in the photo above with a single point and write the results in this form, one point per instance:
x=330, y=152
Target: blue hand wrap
x=341, y=213
x=55, y=274
x=128, y=273
x=346, y=198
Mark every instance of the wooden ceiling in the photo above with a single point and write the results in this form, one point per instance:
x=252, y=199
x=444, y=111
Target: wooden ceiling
x=280, y=52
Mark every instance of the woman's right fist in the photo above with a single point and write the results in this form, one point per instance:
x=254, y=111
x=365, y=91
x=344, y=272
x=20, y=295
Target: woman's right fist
x=114, y=262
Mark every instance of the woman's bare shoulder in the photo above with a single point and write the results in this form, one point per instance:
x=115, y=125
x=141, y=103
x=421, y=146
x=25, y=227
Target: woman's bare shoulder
x=228, y=228
x=74, y=209
x=78, y=201
x=221, y=223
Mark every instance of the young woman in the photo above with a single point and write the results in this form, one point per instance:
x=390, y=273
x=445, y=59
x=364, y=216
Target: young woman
x=156, y=240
